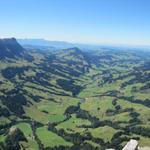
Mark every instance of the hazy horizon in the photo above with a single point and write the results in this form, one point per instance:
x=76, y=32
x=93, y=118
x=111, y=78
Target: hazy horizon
x=75, y=74
x=89, y=22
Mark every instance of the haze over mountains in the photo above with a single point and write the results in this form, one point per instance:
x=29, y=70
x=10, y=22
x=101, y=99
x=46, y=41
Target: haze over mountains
x=62, y=45
x=42, y=42
x=56, y=44
x=75, y=75
x=69, y=99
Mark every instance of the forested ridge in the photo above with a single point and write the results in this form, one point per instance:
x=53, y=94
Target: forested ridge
x=72, y=99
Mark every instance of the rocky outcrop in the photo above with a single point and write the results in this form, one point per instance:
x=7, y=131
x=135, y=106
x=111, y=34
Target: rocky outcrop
x=131, y=145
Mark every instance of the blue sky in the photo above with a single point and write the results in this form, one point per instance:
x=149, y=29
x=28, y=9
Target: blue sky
x=83, y=21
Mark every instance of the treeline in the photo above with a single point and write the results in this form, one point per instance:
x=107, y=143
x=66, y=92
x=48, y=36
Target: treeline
x=138, y=130
x=68, y=85
x=14, y=100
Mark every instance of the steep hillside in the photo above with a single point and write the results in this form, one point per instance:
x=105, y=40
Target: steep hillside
x=10, y=48
x=71, y=99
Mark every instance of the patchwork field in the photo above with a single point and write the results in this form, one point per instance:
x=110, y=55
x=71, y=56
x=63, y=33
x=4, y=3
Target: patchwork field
x=71, y=99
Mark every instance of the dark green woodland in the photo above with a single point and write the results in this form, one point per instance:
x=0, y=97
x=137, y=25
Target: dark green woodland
x=73, y=99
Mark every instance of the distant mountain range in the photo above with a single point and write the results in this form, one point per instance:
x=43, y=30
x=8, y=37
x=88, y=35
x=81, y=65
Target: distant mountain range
x=43, y=42
x=56, y=44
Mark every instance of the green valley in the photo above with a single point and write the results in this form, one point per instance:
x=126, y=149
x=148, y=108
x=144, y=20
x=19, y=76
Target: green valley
x=72, y=99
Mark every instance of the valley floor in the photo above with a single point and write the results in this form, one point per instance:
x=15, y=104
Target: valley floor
x=64, y=101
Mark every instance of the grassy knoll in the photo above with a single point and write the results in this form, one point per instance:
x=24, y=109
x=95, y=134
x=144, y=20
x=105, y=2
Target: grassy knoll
x=105, y=133
x=50, y=139
x=72, y=124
